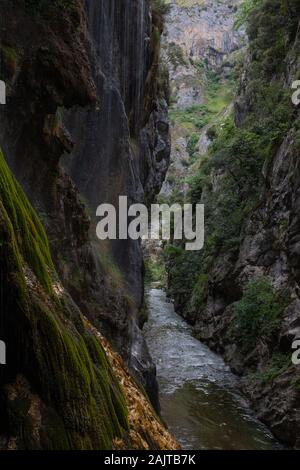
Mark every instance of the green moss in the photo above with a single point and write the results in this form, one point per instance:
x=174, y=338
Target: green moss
x=64, y=364
x=29, y=233
x=53, y=435
x=76, y=377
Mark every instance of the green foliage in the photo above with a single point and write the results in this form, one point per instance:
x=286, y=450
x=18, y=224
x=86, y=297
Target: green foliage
x=239, y=155
x=175, y=54
x=212, y=133
x=213, y=82
x=258, y=313
x=271, y=40
x=183, y=272
x=280, y=362
x=30, y=234
x=296, y=382
x=246, y=7
x=218, y=95
x=155, y=271
x=199, y=292
x=199, y=180
x=225, y=210
x=194, y=117
x=192, y=144
x=160, y=6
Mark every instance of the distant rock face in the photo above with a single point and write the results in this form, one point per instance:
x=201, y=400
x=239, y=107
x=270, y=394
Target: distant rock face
x=199, y=39
x=204, y=29
x=199, y=32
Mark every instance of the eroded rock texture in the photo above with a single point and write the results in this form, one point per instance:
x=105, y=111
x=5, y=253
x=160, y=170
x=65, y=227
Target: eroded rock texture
x=98, y=60
x=199, y=33
x=121, y=148
x=199, y=43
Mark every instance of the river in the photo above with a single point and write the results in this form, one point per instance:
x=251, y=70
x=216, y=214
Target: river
x=199, y=395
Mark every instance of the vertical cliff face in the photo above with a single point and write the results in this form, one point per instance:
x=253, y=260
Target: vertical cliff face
x=122, y=148
x=100, y=61
x=112, y=160
x=242, y=291
x=116, y=142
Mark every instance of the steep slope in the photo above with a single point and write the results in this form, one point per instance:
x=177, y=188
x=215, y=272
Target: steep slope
x=242, y=291
x=58, y=390
x=82, y=56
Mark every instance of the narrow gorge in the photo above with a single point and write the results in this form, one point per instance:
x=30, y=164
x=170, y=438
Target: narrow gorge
x=130, y=344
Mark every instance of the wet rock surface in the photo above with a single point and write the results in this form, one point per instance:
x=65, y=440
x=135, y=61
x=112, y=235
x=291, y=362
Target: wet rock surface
x=87, y=87
x=122, y=148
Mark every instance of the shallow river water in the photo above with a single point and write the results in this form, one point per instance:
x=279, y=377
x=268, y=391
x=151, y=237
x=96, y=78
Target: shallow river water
x=199, y=396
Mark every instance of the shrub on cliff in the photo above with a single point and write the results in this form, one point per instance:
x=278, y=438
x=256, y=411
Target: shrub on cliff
x=160, y=6
x=244, y=11
x=258, y=313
